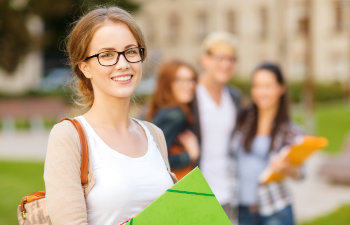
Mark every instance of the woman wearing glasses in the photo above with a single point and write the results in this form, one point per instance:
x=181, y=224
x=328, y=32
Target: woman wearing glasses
x=170, y=110
x=126, y=170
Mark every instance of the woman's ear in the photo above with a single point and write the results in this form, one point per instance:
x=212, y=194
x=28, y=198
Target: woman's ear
x=283, y=89
x=85, y=69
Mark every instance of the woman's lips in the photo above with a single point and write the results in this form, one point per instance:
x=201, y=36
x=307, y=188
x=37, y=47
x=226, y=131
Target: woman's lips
x=123, y=79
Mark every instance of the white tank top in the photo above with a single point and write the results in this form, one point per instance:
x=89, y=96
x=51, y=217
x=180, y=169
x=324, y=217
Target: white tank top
x=124, y=185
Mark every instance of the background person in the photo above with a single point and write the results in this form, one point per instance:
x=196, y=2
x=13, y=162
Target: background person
x=216, y=108
x=126, y=170
x=170, y=110
x=263, y=130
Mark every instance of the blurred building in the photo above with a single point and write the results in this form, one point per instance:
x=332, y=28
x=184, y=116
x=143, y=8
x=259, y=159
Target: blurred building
x=30, y=69
x=274, y=30
x=26, y=76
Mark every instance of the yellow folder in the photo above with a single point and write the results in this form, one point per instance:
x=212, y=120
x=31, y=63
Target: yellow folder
x=296, y=154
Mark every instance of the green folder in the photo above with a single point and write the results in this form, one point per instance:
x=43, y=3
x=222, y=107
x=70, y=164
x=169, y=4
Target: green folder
x=189, y=202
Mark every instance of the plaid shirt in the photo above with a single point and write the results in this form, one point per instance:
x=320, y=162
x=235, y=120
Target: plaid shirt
x=273, y=196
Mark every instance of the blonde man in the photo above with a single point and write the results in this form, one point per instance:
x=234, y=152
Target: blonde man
x=216, y=108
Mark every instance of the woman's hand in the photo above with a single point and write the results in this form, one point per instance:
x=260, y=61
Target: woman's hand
x=190, y=142
x=282, y=165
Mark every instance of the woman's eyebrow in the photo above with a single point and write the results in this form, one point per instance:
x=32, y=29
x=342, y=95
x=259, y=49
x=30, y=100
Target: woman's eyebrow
x=113, y=49
x=106, y=49
x=130, y=45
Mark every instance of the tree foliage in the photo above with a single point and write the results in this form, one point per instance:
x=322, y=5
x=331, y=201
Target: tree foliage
x=15, y=38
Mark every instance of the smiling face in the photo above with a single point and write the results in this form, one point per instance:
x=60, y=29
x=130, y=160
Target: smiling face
x=266, y=91
x=219, y=64
x=184, y=84
x=119, y=80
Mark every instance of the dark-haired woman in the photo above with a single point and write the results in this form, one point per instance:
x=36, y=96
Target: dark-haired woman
x=263, y=130
x=170, y=110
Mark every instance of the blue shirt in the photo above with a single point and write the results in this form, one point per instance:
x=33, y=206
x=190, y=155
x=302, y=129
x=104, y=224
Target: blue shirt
x=249, y=167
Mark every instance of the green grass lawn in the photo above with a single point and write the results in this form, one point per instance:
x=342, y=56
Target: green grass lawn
x=340, y=216
x=332, y=120
x=17, y=179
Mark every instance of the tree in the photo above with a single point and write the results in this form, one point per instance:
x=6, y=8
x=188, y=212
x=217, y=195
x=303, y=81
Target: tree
x=15, y=38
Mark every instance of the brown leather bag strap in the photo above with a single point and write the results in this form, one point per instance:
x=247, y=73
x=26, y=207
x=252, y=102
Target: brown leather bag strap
x=84, y=166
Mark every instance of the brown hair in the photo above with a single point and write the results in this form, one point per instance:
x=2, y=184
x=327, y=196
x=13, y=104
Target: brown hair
x=79, y=40
x=163, y=95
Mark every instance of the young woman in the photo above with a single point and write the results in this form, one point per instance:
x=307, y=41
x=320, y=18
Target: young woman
x=170, y=110
x=263, y=130
x=126, y=170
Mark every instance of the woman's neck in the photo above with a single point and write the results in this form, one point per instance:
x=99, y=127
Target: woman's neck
x=110, y=113
x=266, y=118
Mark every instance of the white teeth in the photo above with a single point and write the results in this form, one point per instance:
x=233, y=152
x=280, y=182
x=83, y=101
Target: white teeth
x=122, y=78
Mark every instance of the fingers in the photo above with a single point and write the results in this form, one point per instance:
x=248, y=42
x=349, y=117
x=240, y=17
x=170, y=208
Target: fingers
x=190, y=143
x=187, y=135
x=282, y=165
x=279, y=164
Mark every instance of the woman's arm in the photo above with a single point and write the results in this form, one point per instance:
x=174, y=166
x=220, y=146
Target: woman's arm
x=280, y=164
x=64, y=193
x=172, y=121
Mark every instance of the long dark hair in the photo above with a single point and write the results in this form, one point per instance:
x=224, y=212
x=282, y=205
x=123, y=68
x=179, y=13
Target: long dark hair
x=248, y=119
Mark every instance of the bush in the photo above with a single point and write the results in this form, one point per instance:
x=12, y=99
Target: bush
x=22, y=124
x=63, y=92
x=322, y=92
x=49, y=123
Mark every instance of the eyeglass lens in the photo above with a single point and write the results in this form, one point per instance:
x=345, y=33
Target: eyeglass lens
x=110, y=58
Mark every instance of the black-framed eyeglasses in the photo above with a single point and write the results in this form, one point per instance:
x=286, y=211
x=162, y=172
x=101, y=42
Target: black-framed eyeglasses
x=221, y=58
x=110, y=58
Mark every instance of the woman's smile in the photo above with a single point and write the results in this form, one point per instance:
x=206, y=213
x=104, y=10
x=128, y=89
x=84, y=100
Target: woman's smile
x=123, y=79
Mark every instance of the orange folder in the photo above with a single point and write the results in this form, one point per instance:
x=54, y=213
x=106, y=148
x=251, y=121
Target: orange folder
x=296, y=154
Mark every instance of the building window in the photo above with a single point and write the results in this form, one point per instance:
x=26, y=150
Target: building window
x=302, y=19
x=338, y=15
x=299, y=70
x=231, y=22
x=202, y=26
x=263, y=16
x=150, y=29
x=339, y=68
x=173, y=28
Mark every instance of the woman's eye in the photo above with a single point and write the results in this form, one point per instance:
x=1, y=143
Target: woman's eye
x=107, y=54
x=131, y=52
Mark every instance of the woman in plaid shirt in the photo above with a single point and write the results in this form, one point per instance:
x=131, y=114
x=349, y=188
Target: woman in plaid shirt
x=263, y=130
